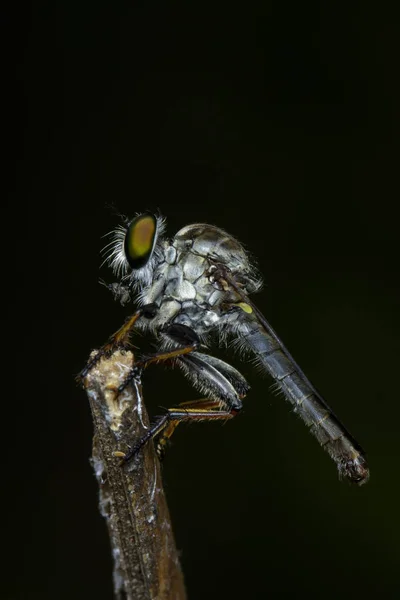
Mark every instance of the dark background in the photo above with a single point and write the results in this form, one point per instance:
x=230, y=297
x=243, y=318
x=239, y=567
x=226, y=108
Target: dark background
x=277, y=122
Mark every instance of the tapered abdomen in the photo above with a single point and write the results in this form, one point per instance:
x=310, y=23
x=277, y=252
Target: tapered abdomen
x=307, y=403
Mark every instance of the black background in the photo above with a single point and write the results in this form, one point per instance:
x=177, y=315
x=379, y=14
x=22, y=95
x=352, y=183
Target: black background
x=277, y=122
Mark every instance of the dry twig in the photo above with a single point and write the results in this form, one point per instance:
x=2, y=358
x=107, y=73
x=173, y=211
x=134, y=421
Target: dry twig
x=146, y=565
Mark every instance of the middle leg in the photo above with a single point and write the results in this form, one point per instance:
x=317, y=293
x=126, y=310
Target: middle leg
x=197, y=410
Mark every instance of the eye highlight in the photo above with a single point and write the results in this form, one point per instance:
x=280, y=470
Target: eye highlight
x=140, y=239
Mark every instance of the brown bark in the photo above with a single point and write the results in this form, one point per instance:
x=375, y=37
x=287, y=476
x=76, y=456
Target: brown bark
x=132, y=500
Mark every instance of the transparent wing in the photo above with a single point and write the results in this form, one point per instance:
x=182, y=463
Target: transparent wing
x=257, y=335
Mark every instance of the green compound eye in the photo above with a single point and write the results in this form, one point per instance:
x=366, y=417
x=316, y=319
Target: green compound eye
x=140, y=239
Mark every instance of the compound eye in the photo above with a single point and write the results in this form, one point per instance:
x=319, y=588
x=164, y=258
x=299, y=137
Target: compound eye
x=140, y=239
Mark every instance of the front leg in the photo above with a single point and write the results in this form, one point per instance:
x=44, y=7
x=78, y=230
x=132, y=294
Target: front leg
x=120, y=339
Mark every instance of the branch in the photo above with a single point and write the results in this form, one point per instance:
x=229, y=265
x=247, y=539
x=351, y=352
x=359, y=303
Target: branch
x=132, y=500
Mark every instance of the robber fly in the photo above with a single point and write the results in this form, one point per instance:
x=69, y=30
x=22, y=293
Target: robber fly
x=199, y=283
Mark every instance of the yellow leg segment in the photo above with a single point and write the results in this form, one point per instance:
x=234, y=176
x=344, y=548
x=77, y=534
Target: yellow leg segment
x=197, y=410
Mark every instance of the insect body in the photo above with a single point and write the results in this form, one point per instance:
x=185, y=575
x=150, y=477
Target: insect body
x=196, y=285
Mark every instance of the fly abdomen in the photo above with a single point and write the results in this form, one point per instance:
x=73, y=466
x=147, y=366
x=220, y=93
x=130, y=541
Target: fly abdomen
x=308, y=404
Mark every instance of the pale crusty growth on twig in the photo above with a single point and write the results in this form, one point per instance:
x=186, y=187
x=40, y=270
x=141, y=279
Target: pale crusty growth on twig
x=146, y=565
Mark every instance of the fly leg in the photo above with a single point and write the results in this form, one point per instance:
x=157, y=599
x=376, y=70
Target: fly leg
x=198, y=410
x=186, y=337
x=212, y=406
x=224, y=384
x=120, y=339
